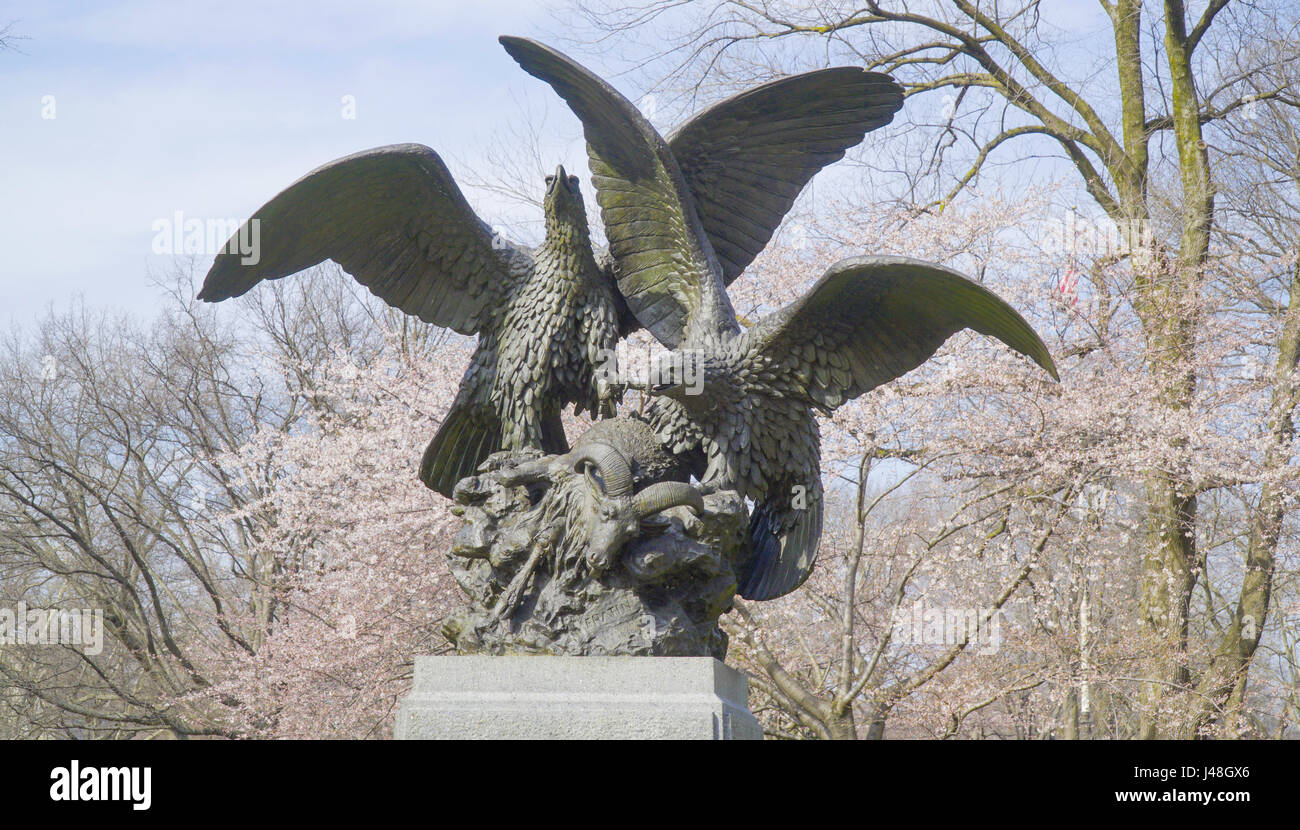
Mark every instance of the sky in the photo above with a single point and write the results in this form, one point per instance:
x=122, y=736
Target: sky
x=121, y=120
x=114, y=116
x=117, y=119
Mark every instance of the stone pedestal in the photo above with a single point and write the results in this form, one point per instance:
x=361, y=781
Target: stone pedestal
x=580, y=698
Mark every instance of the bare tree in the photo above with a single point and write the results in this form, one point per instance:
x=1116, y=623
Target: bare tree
x=115, y=496
x=1132, y=125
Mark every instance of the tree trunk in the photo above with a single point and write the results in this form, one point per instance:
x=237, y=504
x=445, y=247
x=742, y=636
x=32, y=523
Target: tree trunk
x=1170, y=565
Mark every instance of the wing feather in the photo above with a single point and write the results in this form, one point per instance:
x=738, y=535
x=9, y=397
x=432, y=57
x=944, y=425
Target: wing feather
x=751, y=155
x=395, y=220
x=664, y=264
x=882, y=316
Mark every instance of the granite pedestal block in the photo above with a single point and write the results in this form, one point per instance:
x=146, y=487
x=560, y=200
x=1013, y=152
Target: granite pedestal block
x=579, y=698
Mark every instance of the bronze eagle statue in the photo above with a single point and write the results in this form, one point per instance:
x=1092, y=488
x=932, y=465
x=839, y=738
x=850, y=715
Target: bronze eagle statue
x=548, y=318
x=743, y=405
x=395, y=220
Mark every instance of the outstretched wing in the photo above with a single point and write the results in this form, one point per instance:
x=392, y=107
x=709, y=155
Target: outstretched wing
x=747, y=158
x=867, y=321
x=395, y=220
x=664, y=264
x=871, y=319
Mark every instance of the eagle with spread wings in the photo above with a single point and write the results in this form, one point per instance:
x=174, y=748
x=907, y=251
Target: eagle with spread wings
x=743, y=404
x=548, y=318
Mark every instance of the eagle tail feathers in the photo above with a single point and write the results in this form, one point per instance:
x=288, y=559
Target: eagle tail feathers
x=466, y=438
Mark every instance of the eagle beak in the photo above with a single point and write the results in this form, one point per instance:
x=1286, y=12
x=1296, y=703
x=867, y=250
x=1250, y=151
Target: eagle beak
x=558, y=182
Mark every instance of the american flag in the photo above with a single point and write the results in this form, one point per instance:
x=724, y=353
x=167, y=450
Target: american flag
x=1068, y=286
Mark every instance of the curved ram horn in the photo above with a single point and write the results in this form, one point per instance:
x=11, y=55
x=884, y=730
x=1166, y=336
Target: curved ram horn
x=615, y=472
x=666, y=494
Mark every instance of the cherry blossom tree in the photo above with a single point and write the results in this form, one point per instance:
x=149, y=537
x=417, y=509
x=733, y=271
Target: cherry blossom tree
x=1137, y=110
x=974, y=491
x=149, y=471
x=359, y=578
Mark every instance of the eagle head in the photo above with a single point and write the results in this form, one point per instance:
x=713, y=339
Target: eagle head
x=682, y=375
x=563, y=201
